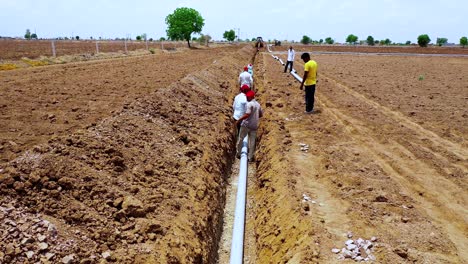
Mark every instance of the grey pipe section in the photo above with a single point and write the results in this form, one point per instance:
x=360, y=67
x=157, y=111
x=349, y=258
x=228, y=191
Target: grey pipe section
x=237, y=244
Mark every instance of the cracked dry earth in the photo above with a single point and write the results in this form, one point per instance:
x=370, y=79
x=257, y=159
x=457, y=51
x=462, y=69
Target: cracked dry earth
x=128, y=160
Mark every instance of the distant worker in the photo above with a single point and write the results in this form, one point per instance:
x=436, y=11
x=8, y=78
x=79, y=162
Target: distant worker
x=250, y=69
x=246, y=78
x=291, y=54
x=249, y=124
x=309, y=80
x=239, y=105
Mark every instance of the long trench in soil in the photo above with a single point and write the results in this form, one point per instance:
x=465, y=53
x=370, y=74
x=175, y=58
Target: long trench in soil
x=228, y=218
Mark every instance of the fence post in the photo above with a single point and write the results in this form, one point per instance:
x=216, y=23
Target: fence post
x=97, y=47
x=53, y=49
x=146, y=44
x=162, y=45
x=126, y=51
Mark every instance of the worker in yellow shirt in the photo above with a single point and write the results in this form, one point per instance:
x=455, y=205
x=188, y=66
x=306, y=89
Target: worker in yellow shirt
x=309, y=80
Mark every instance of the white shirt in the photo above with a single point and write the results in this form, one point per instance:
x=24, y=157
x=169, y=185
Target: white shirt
x=245, y=78
x=291, y=54
x=250, y=69
x=239, y=106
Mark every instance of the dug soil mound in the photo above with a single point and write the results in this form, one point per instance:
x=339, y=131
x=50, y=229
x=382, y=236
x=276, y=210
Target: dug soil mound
x=145, y=184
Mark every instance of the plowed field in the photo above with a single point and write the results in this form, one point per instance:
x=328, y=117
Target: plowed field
x=127, y=160
x=388, y=158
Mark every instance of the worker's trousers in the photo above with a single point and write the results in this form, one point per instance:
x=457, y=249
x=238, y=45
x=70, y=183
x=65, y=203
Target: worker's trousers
x=244, y=131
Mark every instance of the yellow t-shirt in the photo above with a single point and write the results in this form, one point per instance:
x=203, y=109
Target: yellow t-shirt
x=311, y=68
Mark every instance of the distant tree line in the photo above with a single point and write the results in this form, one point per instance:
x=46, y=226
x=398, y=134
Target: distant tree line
x=422, y=40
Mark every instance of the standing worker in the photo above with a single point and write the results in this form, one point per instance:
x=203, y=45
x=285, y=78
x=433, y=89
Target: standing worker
x=250, y=69
x=239, y=106
x=246, y=78
x=291, y=54
x=309, y=80
x=249, y=124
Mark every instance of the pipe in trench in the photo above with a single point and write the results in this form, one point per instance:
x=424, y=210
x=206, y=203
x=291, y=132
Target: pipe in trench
x=237, y=244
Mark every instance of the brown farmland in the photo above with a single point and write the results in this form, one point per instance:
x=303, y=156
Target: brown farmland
x=128, y=158
x=17, y=49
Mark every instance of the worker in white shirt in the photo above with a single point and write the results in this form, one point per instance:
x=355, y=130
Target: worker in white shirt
x=246, y=78
x=291, y=54
x=239, y=104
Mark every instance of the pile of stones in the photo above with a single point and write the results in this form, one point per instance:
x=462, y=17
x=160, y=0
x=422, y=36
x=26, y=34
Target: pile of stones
x=358, y=250
x=28, y=238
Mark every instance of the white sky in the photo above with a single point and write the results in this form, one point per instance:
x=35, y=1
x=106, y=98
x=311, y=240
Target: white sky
x=398, y=20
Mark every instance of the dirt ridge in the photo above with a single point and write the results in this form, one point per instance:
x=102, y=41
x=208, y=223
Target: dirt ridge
x=147, y=183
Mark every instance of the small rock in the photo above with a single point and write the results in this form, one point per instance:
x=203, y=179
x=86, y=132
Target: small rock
x=49, y=255
x=68, y=259
x=351, y=247
x=106, y=255
x=52, y=230
x=41, y=238
x=30, y=254
x=349, y=242
x=336, y=250
x=43, y=246
x=346, y=253
x=349, y=234
x=373, y=239
x=27, y=240
x=405, y=219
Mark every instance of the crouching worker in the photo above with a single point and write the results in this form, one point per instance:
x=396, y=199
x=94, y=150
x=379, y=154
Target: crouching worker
x=249, y=124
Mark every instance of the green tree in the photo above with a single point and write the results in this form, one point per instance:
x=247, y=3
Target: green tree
x=351, y=39
x=370, y=41
x=305, y=40
x=28, y=34
x=138, y=38
x=441, y=41
x=408, y=42
x=321, y=41
x=423, y=40
x=387, y=41
x=33, y=36
x=162, y=39
x=463, y=41
x=329, y=40
x=77, y=37
x=144, y=36
x=183, y=22
x=229, y=35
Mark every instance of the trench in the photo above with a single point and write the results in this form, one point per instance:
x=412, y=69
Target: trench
x=227, y=223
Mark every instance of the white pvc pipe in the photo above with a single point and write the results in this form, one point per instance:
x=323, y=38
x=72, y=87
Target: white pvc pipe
x=237, y=244
x=293, y=73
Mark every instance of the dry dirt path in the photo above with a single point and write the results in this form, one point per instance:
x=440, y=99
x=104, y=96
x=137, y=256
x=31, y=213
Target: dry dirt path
x=49, y=101
x=379, y=164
